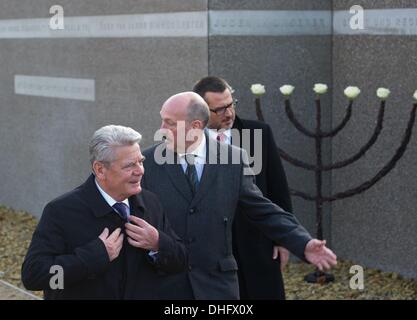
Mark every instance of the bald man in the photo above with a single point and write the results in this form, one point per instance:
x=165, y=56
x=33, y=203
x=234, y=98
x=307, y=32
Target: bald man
x=200, y=193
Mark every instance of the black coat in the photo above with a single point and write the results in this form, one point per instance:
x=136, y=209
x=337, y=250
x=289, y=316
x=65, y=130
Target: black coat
x=67, y=235
x=260, y=276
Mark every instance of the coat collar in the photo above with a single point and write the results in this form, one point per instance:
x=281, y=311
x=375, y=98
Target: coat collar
x=177, y=176
x=237, y=124
x=179, y=180
x=100, y=207
x=209, y=172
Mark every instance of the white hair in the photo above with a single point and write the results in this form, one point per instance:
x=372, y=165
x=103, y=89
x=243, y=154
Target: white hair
x=104, y=140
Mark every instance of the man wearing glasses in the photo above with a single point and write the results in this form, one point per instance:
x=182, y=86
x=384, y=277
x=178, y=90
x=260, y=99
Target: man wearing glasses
x=260, y=260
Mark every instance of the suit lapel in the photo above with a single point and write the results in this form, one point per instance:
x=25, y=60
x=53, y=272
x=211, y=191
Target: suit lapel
x=210, y=169
x=178, y=178
x=137, y=206
x=94, y=199
x=237, y=124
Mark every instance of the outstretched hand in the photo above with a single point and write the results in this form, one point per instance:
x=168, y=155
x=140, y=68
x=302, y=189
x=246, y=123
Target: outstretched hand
x=318, y=254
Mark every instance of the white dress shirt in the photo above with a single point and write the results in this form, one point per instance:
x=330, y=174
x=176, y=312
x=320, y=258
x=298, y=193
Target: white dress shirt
x=199, y=158
x=227, y=133
x=109, y=199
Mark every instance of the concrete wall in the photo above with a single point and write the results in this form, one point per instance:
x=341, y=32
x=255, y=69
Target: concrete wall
x=132, y=68
x=377, y=228
x=286, y=56
x=44, y=140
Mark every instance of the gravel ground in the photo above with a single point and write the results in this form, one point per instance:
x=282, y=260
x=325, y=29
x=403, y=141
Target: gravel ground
x=377, y=285
x=10, y=292
x=16, y=230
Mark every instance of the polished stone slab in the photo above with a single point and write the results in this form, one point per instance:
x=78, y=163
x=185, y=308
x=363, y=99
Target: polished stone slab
x=397, y=22
x=177, y=24
x=217, y=23
x=65, y=88
x=270, y=23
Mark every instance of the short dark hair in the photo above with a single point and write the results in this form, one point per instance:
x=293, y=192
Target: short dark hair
x=211, y=84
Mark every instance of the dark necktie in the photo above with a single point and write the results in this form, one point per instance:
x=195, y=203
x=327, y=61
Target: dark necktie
x=191, y=172
x=122, y=209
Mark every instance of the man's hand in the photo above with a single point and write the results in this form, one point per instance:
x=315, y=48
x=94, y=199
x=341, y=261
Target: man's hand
x=318, y=254
x=283, y=254
x=113, y=243
x=141, y=234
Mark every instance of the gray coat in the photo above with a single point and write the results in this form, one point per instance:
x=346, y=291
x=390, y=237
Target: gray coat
x=204, y=221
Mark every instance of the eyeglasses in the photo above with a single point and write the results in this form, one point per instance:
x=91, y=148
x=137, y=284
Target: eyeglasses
x=222, y=110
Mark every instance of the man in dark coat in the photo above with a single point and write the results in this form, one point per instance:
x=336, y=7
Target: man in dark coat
x=200, y=192
x=108, y=238
x=259, y=264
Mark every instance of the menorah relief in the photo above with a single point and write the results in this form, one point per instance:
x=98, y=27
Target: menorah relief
x=318, y=135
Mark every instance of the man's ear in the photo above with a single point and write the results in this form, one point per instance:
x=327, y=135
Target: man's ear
x=99, y=170
x=198, y=124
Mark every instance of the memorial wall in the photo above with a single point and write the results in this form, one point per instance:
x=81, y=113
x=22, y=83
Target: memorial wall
x=117, y=62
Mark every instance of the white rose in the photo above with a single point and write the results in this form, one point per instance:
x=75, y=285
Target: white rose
x=286, y=90
x=352, y=92
x=257, y=89
x=320, y=88
x=382, y=93
x=415, y=95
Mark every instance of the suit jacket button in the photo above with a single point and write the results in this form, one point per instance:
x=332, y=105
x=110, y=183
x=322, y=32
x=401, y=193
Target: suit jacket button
x=192, y=210
x=190, y=268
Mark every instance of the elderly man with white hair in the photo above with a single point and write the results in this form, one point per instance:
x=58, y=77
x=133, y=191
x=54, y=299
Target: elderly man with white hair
x=108, y=238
